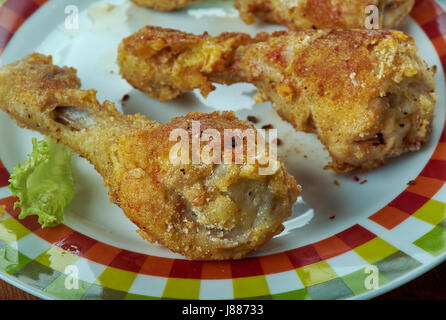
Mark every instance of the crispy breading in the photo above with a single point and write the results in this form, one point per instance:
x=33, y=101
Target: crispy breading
x=203, y=211
x=308, y=14
x=366, y=94
x=325, y=14
x=163, y=5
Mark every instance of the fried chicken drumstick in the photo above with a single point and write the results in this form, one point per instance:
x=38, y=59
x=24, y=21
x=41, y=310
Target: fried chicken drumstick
x=206, y=212
x=366, y=94
x=163, y=5
x=324, y=14
x=308, y=14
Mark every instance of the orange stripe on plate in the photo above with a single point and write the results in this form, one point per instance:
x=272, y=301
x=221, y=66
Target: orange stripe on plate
x=215, y=270
x=440, y=152
x=276, y=263
x=55, y=234
x=425, y=12
x=426, y=186
x=9, y=203
x=102, y=253
x=389, y=217
x=9, y=19
x=331, y=247
x=440, y=44
x=156, y=266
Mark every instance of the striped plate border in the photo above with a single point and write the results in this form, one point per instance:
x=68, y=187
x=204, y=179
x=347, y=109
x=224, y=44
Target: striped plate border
x=333, y=268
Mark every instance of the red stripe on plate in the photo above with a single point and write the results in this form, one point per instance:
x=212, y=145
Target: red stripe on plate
x=408, y=202
x=5, y=36
x=40, y=2
x=128, y=260
x=437, y=27
x=4, y=177
x=303, y=256
x=54, y=234
x=24, y=8
x=10, y=20
x=443, y=134
x=246, y=268
x=435, y=169
x=186, y=269
x=356, y=236
x=29, y=222
x=443, y=61
x=8, y=202
x=76, y=243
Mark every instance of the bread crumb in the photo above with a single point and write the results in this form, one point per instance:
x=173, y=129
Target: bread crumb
x=278, y=142
x=336, y=182
x=137, y=173
x=252, y=119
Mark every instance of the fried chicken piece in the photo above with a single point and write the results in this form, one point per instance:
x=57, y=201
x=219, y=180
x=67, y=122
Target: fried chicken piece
x=163, y=5
x=308, y=14
x=203, y=211
x=324, y=14
x=366, y=93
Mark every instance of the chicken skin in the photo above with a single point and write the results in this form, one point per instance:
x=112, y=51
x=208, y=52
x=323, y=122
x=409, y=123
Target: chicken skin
x=325, y=14
x=309, y=14
x=366, y=93
x=203, y=211
x=163, y=5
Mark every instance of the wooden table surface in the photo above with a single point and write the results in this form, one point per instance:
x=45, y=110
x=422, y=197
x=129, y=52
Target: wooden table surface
x=431, y=285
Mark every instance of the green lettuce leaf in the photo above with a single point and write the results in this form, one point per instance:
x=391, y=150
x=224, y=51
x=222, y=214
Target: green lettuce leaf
x=45, y=183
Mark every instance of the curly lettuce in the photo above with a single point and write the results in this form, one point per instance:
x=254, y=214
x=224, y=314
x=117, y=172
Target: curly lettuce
x=45, y=183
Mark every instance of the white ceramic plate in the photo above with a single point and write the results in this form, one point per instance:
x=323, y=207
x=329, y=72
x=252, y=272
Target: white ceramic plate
x=322, y=253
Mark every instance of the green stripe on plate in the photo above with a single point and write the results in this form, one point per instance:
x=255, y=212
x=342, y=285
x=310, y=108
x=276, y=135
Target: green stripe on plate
x=433, y=242
x=11, y=230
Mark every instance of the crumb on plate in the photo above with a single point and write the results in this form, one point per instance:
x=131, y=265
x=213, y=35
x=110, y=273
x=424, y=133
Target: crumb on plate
x=252, y=119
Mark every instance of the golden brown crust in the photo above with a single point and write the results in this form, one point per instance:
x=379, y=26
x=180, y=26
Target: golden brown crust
x=188, y=197
x=308, y=14
x=163, y=5
x=203, y=211
x=366, y=94
x=143, y=58
x=324, y=14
